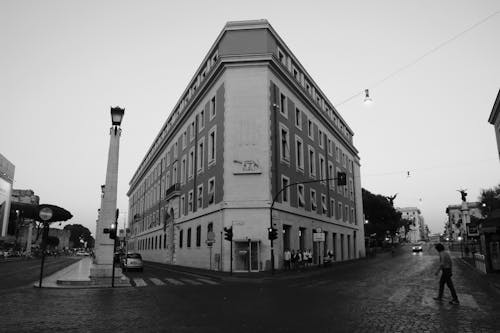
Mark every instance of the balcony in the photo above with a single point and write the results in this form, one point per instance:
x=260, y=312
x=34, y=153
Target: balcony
x=173, y=191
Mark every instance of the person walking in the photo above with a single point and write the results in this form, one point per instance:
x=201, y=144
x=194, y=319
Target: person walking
x=445, y=267
x=287, y=256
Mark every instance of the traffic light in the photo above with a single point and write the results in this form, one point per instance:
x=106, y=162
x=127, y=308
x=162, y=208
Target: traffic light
x=112, y=231
x=272, y=233
x=228, y=233
x=341, y=179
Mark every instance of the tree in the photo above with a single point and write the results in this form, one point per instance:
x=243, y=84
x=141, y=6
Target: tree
x=79, y=232
x=490, y=200
x=52, y=241
x=381, y=215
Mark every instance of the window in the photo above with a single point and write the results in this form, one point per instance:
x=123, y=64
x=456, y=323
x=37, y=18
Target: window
x=312, y=162
x=174, y=173
x=323, y=205
x=322, y=168
x=281, y=57
x=189, y=238
x=299, y=153
x=337, y=154
x=339, y=211
x=352, y=215
x=191, y=163
x=183, y=170
x=330, y=147
x=283, y=106
x=164, y=241
x=284, y=144
x=331, y=175
x=310, y=129
x=296, y=74
x=314, y=202
x=351, y=188
x=183, y=205
x=191, y=132
x=332, y=207
x=190, y=201
x=201, y=120
x=212, y=135
x=351, y=165
x=346, y=213
x=184, y=139
x=201, y=154
x=300, y=196
x=175, y=151
x=298, y=118
x=212, y=108
x=199, y=196
x=211, y=191
x=198, y=236
x=210, y=228
x=181, y=237
x=344, y=160
x=285, y=195
x=321, y=138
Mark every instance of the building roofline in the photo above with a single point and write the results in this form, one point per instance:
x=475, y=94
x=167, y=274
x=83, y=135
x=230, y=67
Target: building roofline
x=495, y=111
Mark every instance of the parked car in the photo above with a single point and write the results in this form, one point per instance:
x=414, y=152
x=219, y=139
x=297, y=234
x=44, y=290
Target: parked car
x=132, y=261
x=417, y=248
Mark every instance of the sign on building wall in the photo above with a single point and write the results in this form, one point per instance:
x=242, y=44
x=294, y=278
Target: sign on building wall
x=246, y=167
x=472, y=230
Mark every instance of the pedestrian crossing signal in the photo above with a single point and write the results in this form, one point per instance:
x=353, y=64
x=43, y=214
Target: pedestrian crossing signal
x=341, y=178
x=228, y=233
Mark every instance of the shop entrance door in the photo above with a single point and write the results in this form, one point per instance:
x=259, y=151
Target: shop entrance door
x=246, y=256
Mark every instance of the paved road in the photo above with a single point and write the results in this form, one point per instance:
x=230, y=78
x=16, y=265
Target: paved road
x=384, y=294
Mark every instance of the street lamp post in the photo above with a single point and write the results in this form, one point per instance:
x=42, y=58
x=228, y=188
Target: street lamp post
x=102, y=266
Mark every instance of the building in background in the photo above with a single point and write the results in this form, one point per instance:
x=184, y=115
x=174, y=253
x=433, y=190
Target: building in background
x=23, y=203
x=455, y=226
x=250, y=122
x=418, y=230
x=6, y=180
x=494, y=119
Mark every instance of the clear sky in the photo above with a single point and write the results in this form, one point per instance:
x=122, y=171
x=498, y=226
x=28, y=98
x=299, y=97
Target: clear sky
x=64, y=63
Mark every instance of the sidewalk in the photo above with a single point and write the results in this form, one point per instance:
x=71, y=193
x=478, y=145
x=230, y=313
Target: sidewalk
x=77, y=275
x=493, y=279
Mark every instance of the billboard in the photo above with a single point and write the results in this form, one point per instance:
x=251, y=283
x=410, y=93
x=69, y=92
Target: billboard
x=5, y=193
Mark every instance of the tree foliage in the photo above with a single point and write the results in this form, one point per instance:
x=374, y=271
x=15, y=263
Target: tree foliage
x=79, y=232
x=491, y=200
x=52, y=241
x=381, y=216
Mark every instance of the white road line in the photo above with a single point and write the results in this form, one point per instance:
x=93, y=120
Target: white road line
x=400, y=295
x=208, y=281
x=174, y=281
x=193, y=282
x=139, y=282
x=157, y=282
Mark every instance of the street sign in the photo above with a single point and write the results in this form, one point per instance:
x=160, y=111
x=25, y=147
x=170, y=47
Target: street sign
x=209, y=242
x=318, y=236
x=211, y=236
x=45, y=213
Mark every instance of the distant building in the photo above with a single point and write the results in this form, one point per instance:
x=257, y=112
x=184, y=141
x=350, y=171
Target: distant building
x=455, y=226
x=6, y=180
x=418, y=230
x=61, y=234
x=251, y=122
x=23, y=202
x=494, y=119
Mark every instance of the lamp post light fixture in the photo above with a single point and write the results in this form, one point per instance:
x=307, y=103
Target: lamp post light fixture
x=368, y=100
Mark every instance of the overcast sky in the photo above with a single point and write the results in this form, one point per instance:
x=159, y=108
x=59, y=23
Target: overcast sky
x=64, y=63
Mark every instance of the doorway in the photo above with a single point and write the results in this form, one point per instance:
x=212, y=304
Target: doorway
x=246, y=256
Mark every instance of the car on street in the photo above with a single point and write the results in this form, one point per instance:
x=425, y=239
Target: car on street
x=417, y=247
x=132, y=261
x=82, y=253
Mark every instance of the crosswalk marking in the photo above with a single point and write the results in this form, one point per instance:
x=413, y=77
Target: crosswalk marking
x=174, y=281
x=157, y=282
x=208, y=281
x=140, y=282
x=193, y=282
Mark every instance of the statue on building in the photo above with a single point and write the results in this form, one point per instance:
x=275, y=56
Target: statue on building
x=463, y=193
x=391, y=199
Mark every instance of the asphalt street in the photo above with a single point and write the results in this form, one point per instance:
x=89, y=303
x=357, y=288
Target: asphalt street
x=383, y=294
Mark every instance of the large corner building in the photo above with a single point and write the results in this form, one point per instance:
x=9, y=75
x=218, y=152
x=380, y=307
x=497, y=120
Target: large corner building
x=250, y=122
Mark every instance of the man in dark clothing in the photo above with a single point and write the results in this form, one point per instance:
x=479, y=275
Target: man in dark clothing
x=445, y=267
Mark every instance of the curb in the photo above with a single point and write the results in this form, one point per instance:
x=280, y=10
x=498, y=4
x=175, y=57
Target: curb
x=494, y=285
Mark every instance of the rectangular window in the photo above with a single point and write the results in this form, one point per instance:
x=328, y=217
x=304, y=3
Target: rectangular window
x=321, y=138
x=201, y=120
x=351, y=188
x=330, y=147
x=310, y=129
x=352, y=215
x=298, y=118
x=212, y=135
x=175, y=151
x=191, y=132
x=199, y=196
x=174, y=173
x=191, y=163
x=344, y=160
x=181, y=237
x=346, y=213
x=324, y=207
x=281, y=57
x=331, y=175
x=322, y=168
x=285, y=195
x=314, y=202
x=339, y=211
x=284, y=144
x=183, y=205
x=212, y=108
x=189, y=238
x=337, y=154
x=183, y=170
x=211, y=191
x=295, y=73
x=198, y=236
x=332, y=207
x=201, y=154
x=299, y=153
x=190, y=201
x=184, y=140
x=312, y=162
x=300, y=196
x=283, y=106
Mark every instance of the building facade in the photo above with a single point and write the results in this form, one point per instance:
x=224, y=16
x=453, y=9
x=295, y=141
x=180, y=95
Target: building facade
x=250, y=123
x=418, y=230
x=6, y=180
x=456, y=225
x=494, y=119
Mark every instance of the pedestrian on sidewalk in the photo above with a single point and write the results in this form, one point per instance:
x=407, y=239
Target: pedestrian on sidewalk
x=445, y=267
x=293, y=259
x=287, y=257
